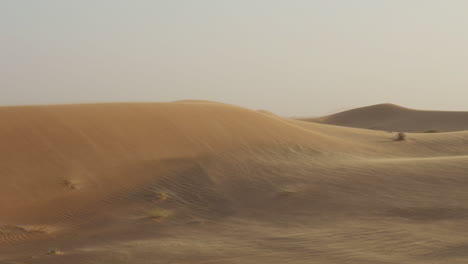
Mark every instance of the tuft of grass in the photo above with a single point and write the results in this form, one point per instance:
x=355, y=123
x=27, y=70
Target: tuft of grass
x=432, y=131
x=401, y=136
x=70, y=184
x=158, y=213
x=161, y=196
x=54, y=251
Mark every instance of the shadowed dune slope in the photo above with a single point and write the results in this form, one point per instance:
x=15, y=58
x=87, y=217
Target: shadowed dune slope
x=205, y=182
x=390, y=117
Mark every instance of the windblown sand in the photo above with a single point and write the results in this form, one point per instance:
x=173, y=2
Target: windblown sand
x=202, y=182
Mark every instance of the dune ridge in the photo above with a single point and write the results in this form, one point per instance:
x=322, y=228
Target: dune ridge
x=205, y=182
x=390, y=117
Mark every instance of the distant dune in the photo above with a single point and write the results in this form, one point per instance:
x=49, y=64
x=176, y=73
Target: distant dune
x=390, y=117
x=205, y=182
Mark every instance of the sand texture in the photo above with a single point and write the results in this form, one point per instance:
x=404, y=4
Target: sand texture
x=205, y=182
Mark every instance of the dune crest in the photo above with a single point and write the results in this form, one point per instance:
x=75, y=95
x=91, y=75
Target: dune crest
x=390, y=117
x=205, y=182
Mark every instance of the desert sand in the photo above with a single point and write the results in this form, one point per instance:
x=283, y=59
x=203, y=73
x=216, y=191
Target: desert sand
x=205, y=182
x=390, y=117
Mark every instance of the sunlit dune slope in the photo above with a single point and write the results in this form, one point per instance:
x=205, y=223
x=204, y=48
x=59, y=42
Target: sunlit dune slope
x=45, y=147
x=390, y=117
x=205, y=182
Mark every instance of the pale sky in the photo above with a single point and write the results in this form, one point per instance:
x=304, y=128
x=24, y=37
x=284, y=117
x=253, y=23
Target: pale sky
x=292, y=57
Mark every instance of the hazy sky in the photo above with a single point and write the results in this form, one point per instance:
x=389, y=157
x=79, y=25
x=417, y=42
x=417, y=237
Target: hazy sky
x=293, y=57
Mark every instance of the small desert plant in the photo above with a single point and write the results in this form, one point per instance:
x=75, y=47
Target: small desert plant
x=432, y=131
x=54, y=251
x=72, y=185
x=401, y=136
x=158, y=213
x=162, y=196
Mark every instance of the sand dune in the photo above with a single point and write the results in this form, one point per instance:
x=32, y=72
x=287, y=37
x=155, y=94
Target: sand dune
x=204, y=182
x=390, y=117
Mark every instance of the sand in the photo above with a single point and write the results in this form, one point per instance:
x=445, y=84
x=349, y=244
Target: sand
x=390, y=117
x=204, y=182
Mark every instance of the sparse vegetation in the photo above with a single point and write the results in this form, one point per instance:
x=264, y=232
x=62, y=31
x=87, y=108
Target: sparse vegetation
x=161, y=196
x=70, y=184
x=158, y=213
x=54, y=251
x=401, y=136
x=432, y=131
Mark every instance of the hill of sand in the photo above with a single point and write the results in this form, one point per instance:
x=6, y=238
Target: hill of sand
x=203, y=182
x=390, y=117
